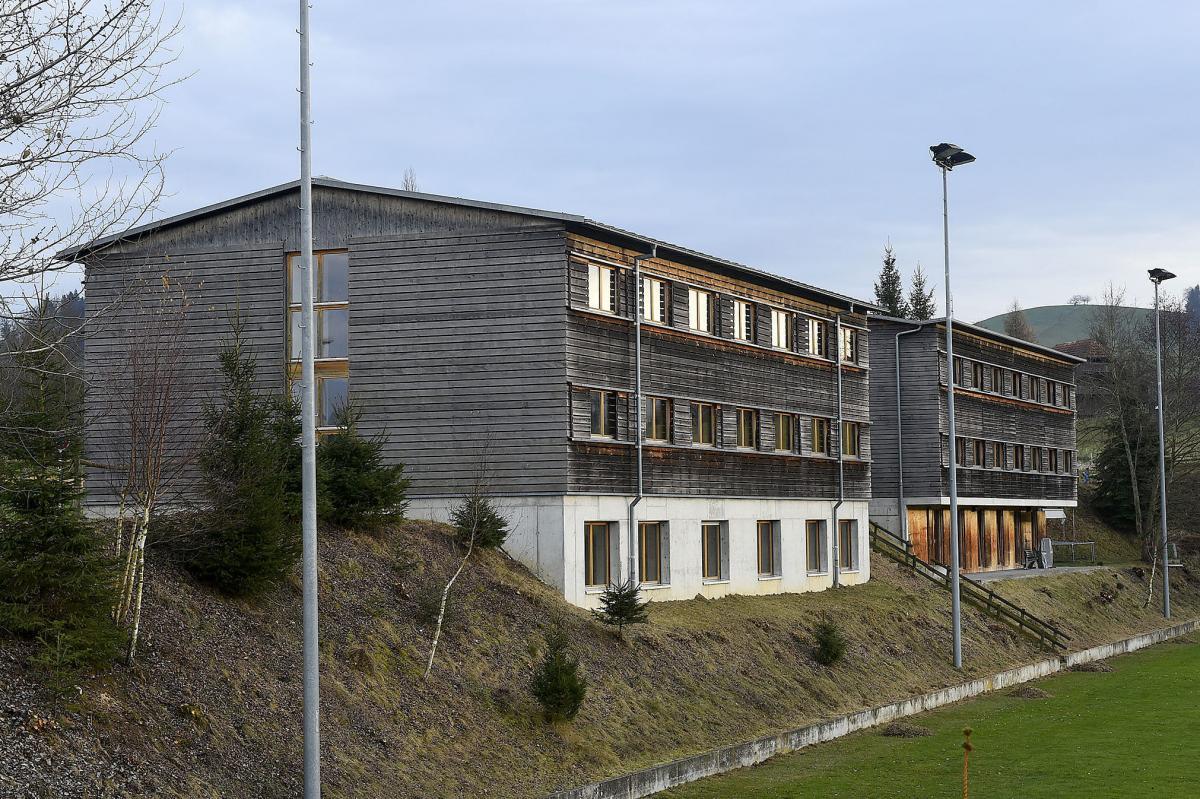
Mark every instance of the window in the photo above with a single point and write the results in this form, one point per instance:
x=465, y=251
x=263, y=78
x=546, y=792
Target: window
x=1023, y=385
x=851, y=439
x=747, y=428
x=604, y=413
x=702, y=424
x=820, y=436
x=768, y=549
x=960, y=451
x=700, y=306
x=958, y=371
x=1054, y=461
x=1019, y=457
x=331, y=328
x=1068, y=461
x=713, y=543
x=602, y=288
x=651, y=555
x=814, y=541
x=596, y=565
x=1052, y=392
x=849, y=345
x=980, y=452
x=743, y=320
x=997, y=455
x=657, y=419
x=1037, y=459
x=654, y=299
x=997, y=375
x=781, y=329
x=785, y=432
x=976, y=375
x=816, y=337
x=847, y=544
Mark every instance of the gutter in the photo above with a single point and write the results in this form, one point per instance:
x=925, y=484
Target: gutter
x=637, y=398
x=901, y=509
x=835, y=566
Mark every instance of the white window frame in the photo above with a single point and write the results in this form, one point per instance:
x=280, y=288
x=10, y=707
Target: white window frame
x=700, y=310
x=601, y=287
x=655, y=311
x=818, y=329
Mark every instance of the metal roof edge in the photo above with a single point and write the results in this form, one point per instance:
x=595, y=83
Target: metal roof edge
x=983, y=332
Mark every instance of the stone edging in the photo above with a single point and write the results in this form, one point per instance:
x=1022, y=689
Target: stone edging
x=727, y=758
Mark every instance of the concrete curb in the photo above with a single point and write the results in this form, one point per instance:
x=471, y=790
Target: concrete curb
x=718, y=761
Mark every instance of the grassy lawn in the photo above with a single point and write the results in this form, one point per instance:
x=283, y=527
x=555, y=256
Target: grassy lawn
x=1132, y=732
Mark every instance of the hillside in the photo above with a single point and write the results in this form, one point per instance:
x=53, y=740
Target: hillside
x=1055, y=324
x=213, y=707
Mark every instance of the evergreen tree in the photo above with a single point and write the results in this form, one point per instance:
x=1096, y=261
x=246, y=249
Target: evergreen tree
x=1016, y=324
x=557, y=684
x=889, y=291
x=1113, y=490
x=358, y=489
x=57, y=582
x=621, y=604
x=250, y=536
x=921, y=305
x=477, y=516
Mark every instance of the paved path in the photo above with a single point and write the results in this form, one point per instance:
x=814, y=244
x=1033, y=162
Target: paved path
x=1018, y=574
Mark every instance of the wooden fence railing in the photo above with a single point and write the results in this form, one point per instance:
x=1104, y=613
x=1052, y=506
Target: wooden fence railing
x=888, y=544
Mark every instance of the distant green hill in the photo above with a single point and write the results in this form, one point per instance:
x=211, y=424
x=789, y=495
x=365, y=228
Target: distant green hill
x=1054, y=324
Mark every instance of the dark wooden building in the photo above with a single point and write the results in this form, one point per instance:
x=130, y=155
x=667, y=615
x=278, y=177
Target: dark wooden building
x=500, y=341
x=1015, y=406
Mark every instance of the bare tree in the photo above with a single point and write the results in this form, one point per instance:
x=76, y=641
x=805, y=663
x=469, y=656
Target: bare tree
x=410, y=180
x=80, y=85
x=1016, y=324
x=1080, y=299
x=149, y=394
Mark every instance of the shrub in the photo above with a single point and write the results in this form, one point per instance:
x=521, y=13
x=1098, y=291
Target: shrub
x=358, y=489
x=557, y=684
x=477, y=516
x=831, y=644
x=249, y=536
x=621, y=604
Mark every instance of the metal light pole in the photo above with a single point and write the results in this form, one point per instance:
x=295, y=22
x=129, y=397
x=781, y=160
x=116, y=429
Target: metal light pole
x=948, y=156
x=1157, y=276
x=312, y=688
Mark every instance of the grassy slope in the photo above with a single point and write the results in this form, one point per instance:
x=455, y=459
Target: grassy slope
x=1053, y=324
x=1127, y=733
x=213, y=708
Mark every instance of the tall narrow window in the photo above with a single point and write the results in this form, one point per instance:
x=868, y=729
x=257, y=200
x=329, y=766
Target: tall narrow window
x=657, y=418
x=816, y=338
x=712, y=546
x=1068, y=461
x=331, y=340
x=1019, y=457
x=997, y=455
x=851, y=439
x=820, y=436
x=747, y=428
x=1052, y=392
x=997, y=380
x=814, y=542
x=1054, y=461
x=700, y=306
x=849, y=345
x=743, y=320
x=654, y=299
x=785, y=432
x=768, y=549
x=702, y=424
x=650, y=552
x=958, y=371
x=980, y=447
x=1037, y=459
x=596, y=566
x=960, y=451
x=977, y=375
x=602, y=287
x=781, y=329
x=604, y=413
x=847, y=544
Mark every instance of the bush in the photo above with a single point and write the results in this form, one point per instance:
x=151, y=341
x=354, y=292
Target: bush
x=358, y=490
x=557, y=685
x=250, y=536
x=477, y=516
x=621, y=604
x=831, y=644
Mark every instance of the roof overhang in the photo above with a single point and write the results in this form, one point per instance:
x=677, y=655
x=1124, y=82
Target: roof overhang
x=984, y=333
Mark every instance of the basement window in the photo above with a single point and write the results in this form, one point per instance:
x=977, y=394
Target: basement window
x=847, y=544
x=769, y=561
x=814, y=544
x=714, y=544
x=597, y=554
x=653, y=552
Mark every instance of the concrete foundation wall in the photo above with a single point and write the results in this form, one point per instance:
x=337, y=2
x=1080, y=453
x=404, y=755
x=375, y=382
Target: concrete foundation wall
x=718, y=761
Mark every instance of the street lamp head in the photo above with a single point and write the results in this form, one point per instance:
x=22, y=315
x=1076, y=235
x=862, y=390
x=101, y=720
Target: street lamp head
x=948, y=156
x=1159, y=275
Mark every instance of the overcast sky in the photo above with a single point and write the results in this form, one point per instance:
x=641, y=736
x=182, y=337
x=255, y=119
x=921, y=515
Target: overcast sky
x=790, y=136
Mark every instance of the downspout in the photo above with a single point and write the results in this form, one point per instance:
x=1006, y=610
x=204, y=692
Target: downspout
x=901, y=508
x=637, y=399
x=835, y=567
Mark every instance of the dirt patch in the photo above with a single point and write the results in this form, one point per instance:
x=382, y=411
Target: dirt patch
x=1093, y=666
x=902, y=729
x=1029, y=692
